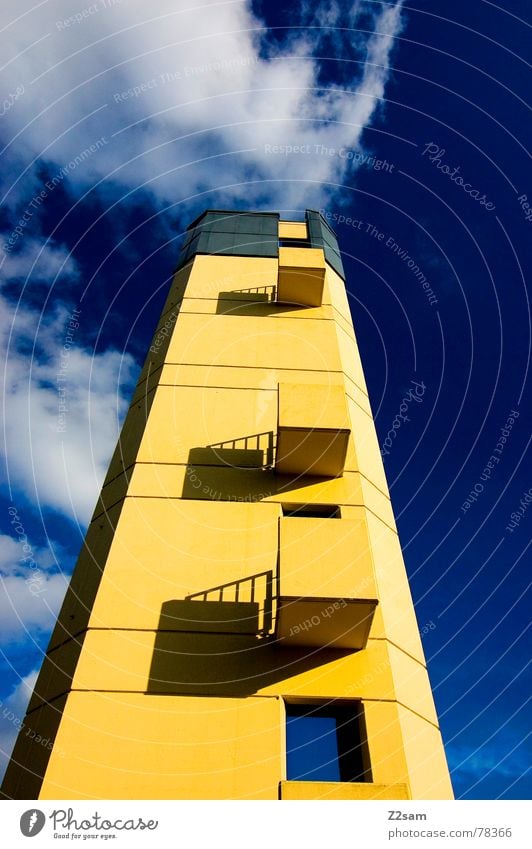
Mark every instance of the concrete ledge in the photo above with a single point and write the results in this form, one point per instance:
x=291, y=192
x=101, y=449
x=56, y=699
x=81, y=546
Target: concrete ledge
x=341, y=790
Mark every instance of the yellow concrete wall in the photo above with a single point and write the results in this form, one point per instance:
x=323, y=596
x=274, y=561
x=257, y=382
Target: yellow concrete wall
x=425, y=758
x=165, y=748
x=229, y=665
x=308, y=546
x=168, y=549
x=293, y=230
x=277, y=343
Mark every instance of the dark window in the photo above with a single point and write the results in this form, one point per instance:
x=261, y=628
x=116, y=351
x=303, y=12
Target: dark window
x=312, y=511
x=326, y=742
x=294, y=243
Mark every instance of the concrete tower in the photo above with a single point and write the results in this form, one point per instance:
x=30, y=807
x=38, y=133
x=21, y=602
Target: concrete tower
x=239, y=624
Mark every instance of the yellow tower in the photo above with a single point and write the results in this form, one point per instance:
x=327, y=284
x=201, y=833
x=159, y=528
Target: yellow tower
x=239, y=624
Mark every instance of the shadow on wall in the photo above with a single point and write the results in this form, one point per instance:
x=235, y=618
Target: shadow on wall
x=222, y=641
x=252, y=613
x=255, y=451
x=260, y=300
x=221, y=663
x=241, y=470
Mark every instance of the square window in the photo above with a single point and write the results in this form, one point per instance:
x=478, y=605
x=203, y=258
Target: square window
x=326, y=742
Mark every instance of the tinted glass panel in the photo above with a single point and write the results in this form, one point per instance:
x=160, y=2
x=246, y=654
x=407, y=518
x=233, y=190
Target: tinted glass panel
x=232, y=233
x=321, y=236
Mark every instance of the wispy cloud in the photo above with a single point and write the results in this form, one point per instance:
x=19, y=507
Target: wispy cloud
x=33, y=581
x=12, y=716
x=62, y=419
x=37, y=261
x=188, y=98
x=63, y=403
x=505, y=757
x=25, y=615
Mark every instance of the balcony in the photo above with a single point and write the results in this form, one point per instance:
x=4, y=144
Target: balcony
x=330, y=623
x=313, y=430
x=327, y=593
x=323, y=594
x=301, y=276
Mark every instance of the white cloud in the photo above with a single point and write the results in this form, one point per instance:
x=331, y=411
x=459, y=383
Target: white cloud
x=28, y=607
x=63, y=405
x=500, y=756
x=194, y=96
x=37, y=260
x=19, y=557
x=12, y=716
x=62, y=419
x=31, y=589
x=10, y=553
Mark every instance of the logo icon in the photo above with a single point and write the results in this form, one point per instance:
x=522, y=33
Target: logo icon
x=32, y=822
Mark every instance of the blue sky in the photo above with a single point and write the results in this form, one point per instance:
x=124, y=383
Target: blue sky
x=406, y=124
